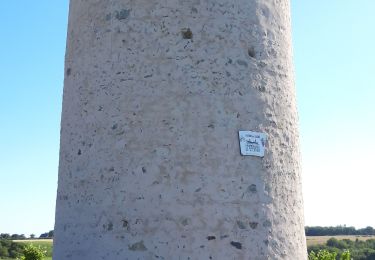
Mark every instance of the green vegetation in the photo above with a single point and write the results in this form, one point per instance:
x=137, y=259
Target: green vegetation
x=326, y=255
x=46, y=235
x=11, y=250
x=44, y=244
x=339, y=230
x=12, y=237
x=31, y=252
x=359, y=250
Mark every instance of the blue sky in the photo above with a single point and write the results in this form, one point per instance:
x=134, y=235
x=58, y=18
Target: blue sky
x=32, y=49
x=334, y=61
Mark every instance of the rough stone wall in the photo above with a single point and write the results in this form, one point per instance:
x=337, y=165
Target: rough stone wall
x=155, y=94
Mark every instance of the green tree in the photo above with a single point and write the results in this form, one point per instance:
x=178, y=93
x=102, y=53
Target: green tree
x=4, y=236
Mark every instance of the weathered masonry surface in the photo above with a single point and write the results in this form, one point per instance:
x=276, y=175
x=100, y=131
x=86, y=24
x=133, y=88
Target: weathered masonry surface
x=150, y=165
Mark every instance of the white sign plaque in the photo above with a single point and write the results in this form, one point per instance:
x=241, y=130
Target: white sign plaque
x=252, y=143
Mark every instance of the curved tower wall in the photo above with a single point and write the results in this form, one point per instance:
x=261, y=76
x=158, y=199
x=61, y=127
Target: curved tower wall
x=150, y=165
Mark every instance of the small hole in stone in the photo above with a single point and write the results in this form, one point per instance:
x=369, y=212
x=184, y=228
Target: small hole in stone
x=262, y=88
x=253, y=225
x=251, y=52
x=211, y=237
x=237, y=245
x=187, y=33
x=123, y=14
x=252, y=188
x=68, y=71
x=125, y=223
x=110, y=226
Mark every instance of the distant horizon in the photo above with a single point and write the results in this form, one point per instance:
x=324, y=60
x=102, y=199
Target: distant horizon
x=37, y=236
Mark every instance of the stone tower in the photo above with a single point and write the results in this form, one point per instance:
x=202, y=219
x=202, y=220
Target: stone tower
x=155, y=95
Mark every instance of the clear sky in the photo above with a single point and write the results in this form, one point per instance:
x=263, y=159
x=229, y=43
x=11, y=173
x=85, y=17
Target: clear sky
x=335, y=77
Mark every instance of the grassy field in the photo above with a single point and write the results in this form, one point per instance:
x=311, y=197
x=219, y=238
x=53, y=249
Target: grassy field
x=318, y=240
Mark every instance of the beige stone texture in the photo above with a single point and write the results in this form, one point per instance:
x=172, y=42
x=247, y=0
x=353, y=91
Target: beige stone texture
x=150, y=166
